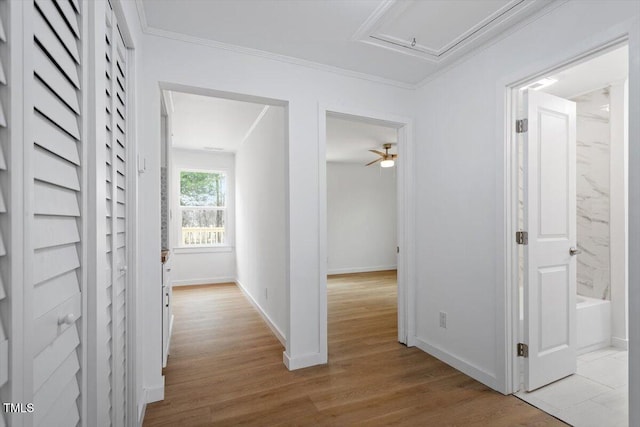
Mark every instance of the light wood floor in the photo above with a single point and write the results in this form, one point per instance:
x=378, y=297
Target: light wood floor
x=226, y=368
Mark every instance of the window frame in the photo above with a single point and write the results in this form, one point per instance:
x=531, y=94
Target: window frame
x=216, y=247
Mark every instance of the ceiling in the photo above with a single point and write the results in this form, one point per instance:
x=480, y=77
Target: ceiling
x=208, y=123
x=349, y=140
x=370, y=38
x=590, y=75
x=221, y=125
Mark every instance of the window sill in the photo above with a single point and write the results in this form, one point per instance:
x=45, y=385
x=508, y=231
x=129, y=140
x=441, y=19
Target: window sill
x=202, y=249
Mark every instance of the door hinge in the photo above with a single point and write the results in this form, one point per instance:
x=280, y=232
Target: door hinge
x=522, y=237
x=523, y=350
x=522, y=125
x=397, y=249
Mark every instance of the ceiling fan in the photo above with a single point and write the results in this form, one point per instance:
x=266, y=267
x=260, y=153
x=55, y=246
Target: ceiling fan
x=386, y=160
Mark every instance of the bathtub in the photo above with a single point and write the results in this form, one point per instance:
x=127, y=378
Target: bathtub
x=593, y=323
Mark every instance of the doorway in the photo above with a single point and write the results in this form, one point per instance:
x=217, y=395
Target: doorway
x=225, y=196
x=572, y=185
x=403, y=224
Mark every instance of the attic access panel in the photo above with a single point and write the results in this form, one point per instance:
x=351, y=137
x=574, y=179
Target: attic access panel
x=439, y=30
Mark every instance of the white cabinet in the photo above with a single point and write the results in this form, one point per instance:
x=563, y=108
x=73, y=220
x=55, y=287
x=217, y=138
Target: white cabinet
x=167, y=316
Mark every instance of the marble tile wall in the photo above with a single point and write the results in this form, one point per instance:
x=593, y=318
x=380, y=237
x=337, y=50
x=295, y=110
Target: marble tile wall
x=164, y=209
x=592, y=207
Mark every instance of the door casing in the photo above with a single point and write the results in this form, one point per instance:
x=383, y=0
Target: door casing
x=513, y=112
x=406, y=217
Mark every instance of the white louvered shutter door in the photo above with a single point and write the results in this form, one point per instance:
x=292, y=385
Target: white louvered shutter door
x=117, y=214
x=109, y=203
x=54, y=221
x=4, y=224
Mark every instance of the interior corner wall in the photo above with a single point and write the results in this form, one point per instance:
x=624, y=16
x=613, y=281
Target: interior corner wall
x=199, y=266
x=460, y=190
x=361, y=218
x=261, y=218
x=183, y=65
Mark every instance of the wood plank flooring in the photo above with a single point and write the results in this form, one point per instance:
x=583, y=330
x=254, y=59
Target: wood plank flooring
x=226, y=369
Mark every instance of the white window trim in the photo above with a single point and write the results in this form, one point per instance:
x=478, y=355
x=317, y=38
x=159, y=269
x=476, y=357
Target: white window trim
x=179, y=247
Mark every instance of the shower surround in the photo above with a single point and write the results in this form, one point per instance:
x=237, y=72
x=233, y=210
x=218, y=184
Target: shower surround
x=592, y=187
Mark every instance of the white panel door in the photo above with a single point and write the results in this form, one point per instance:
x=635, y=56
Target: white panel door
x=550, y=219
x=55, y=214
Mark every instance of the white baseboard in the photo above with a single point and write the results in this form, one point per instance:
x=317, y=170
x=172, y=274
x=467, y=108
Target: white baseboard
x=461, y=365
x=154, y=394
x=206, y=281
x=270, y=323
x=305, y=361
x=361, y=269
x=620, y=343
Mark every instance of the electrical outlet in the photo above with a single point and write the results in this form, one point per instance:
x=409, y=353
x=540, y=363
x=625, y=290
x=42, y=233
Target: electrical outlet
x=443, y=319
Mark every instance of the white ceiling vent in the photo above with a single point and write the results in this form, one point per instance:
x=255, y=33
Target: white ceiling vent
x=438, y=30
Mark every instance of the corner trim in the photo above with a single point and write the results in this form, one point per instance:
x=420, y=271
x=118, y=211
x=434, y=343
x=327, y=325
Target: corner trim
x=461, y=365
x=270, y=323
x=304, y=361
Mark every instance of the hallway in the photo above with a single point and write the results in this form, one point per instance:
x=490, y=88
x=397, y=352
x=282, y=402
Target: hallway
x=226, y=368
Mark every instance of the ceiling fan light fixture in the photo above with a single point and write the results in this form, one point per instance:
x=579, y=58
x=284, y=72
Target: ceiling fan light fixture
x=387, y=163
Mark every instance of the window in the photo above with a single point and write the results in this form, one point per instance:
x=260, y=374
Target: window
x=203, y=211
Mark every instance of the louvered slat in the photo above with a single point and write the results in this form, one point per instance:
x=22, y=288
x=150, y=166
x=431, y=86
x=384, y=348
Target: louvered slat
x=54, y=200
x=45, y=36
x=55, y=231
x=50, y=390
x=51, y=262
x=57, y=189
x=54, y=139
x=50, y=359
x=69, y=16
x=64, y=410
x=59, y=289
x=46, y=326
x=58, y=24
x=55, y=170
x=55, y=80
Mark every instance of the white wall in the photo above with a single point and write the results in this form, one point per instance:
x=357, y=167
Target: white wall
x=461, y=212
x=460, y=195
x=261, y=218
x=361, y=218
x=198, y=266
x=302, y=89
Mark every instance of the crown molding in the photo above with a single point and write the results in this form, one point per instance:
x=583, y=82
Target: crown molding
x=548, y=8
x=383, y=8
x=146, y=29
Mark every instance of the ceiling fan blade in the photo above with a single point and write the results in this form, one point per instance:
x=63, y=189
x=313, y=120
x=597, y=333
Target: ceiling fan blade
x=375, y=161
x=379, y=153
x=393, y=156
